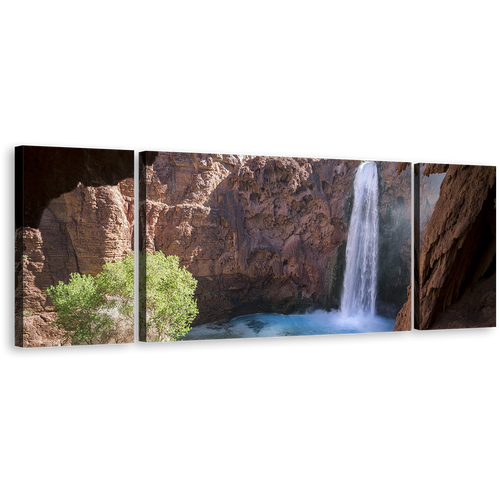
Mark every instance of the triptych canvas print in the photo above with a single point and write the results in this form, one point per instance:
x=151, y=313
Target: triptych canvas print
x=235, y=246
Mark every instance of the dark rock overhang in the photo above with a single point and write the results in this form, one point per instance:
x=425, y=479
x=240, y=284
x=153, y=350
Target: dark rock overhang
x=44, y=173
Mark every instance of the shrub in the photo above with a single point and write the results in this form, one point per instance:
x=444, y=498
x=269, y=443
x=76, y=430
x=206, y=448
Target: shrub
x=116, y=282
x=80, y=308
x=94, y=310
x=170, y=304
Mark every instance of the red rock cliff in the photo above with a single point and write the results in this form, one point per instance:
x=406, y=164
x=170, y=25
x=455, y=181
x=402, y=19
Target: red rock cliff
x=457, y=267
x=259, y=233
x=78, y=232
x=269, y=233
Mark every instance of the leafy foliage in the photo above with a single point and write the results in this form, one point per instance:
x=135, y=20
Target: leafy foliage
x=170, y=306
x=117, y=282
x=91, y=309
x=80, y=306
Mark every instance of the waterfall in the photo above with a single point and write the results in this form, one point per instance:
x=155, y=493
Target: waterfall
x=360, y=279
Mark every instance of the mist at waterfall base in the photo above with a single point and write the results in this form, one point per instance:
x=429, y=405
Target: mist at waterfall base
x=357, y=312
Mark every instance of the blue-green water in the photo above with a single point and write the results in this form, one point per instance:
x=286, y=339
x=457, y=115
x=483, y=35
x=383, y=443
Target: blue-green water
x=279, y=325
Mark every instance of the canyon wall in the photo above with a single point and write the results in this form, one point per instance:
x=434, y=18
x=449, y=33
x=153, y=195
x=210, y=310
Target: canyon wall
x=258, y=233
x=456, y=267
x=78, y=231
x=460, y=244
x=263, y=234
x=394, y=273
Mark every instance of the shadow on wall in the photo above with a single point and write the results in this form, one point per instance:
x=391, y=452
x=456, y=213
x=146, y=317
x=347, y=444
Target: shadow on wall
x=456, y=270
x=334, y=279
x=45, y=173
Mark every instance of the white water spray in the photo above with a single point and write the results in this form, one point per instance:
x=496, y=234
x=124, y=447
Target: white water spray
x=357, y=311
x=360, y=279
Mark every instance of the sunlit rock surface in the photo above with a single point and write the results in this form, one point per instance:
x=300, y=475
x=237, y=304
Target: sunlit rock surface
x=259, y=233
x=65, y=232
x=268, y=234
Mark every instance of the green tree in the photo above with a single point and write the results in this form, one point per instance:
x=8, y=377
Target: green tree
x=170, y=304
x=91, y=310
x=116, y=283
x=80, y=310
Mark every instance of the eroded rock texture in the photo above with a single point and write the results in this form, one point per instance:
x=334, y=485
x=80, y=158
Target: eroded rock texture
x=461, y=239
x=259, y=233
x=77, y=231
x=269, y=233
x=403, y=319
x=457, y=261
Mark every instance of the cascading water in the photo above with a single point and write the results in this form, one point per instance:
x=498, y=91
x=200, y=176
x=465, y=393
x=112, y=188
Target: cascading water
x=360, y=279
x=357, y=310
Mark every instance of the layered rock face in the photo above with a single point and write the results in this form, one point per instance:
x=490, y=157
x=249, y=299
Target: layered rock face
x=456, y=265
x=259, y=234
x=265, y=234
x=461, y=239
x=78, y=232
